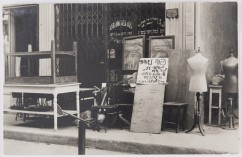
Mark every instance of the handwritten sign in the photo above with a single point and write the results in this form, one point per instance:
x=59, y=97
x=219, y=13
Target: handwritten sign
x=152, y=70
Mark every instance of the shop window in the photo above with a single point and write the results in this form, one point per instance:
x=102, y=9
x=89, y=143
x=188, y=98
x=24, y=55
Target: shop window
x=20, y=30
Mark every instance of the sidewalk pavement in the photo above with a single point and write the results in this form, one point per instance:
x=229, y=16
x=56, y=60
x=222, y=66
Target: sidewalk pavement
x=216, y=141
x=14, y=147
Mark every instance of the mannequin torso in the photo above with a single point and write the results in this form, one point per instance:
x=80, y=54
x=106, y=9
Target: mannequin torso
x=198, y=65
x=230, y=69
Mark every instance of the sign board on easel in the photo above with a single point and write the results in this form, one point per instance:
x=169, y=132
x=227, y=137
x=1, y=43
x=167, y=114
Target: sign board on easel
x=149, y=95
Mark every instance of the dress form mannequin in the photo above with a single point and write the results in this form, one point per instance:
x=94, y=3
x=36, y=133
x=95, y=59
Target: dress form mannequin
x=230, y=69
x=198, y=65
x=230, y=86
x=198, y=83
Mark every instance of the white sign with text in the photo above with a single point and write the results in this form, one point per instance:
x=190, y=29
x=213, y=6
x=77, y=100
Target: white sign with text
x=152, y=70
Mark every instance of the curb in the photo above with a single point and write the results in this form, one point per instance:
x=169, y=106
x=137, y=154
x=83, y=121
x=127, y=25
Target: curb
x=120, y=146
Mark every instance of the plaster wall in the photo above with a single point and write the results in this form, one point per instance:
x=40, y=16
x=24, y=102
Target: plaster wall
x=217, y=32
x=213, y=28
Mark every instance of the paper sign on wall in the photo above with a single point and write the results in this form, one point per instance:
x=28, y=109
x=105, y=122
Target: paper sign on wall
x=152, y=70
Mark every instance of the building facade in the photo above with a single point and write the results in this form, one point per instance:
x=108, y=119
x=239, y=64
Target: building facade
x=100, y=28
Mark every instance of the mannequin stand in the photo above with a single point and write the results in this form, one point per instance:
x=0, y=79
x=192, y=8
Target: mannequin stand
x=230, y=115
x=197, y=116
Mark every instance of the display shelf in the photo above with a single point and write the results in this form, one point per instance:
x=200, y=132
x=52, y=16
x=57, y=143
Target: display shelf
x=58, y=75
x=39, y=112
x=41, y=54
x=54, y=89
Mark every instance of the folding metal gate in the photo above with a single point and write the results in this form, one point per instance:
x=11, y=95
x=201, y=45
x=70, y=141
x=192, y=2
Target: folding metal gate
x=100, y=27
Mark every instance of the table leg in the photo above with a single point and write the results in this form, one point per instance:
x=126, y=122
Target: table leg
x=219, y=107
x=22, y=103
x=55, y=111
x=178, y=119
x=184, y=116
x=210, y=107
x=77, y=105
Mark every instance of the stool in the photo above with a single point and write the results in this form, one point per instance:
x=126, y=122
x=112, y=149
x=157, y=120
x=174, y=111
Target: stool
x=215, y=89
x=178, y=106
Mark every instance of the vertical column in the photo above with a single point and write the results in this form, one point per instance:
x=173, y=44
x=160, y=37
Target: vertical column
x=46, y=34
x=75, y=51
x=53, y=62
x=6, y=66
x=55, y=110
x=105, y=29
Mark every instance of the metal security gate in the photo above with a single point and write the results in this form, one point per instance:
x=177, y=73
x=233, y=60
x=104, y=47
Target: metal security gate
x=131, y=19
x=82, y=23
x=100, y=27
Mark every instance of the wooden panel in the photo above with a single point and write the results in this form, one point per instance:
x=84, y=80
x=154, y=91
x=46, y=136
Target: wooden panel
x=178, y=75
x=39, y=113
x=148, y=108
x=39, y=80
x=41, y=54
x=178, y=80
x=66, y=79
x=172, y=76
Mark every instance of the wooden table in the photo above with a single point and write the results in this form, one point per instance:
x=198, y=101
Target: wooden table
x=53, y=89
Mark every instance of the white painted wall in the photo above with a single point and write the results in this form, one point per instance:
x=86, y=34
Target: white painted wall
x=183, y=26
x=46, y=34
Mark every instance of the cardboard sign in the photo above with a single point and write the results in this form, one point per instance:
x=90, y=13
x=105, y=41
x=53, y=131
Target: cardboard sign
x=148, y=108
x=152, y=70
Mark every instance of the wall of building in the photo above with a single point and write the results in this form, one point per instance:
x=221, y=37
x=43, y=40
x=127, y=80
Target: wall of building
x=46, y=34
x=210, y=26
x=217, y=32
x=183, y=28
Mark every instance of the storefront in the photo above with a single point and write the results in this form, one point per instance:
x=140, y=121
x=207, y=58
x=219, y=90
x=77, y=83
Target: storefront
x=99, y=30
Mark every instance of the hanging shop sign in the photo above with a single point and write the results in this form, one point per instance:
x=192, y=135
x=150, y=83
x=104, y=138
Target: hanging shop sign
x=172, y=13
x=119, y=29
x=151, y=26
x=152, y=70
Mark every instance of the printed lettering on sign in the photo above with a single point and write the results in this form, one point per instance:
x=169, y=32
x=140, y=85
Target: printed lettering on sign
x=152, y=70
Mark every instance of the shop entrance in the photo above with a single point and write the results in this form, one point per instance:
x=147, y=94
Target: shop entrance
x=100, y=27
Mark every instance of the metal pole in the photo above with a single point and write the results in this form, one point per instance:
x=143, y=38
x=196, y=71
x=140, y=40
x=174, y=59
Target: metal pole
x=81, y=138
